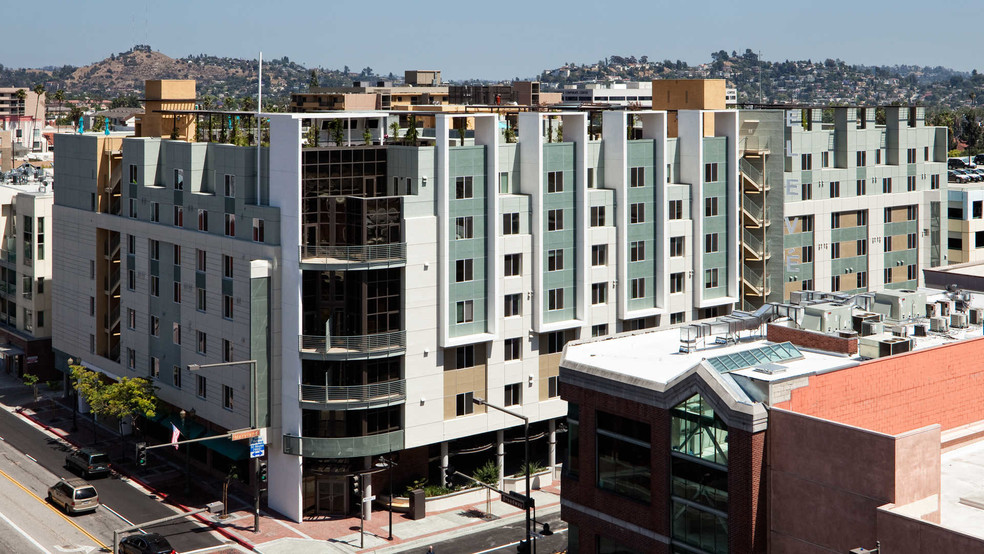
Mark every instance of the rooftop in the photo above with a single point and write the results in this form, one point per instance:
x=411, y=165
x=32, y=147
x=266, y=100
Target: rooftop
x=962, y=489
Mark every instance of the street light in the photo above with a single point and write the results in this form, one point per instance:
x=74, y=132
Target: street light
x=526, y=432
x=253, y=423
x=183, y=414
x=389, y=464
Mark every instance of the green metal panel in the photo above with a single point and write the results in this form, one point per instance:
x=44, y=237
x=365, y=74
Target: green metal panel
x=715, y=151
x=560, y=157
x=259, y=344
x=468, y=161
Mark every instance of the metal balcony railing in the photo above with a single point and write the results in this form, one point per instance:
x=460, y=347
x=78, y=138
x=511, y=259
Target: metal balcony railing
x=753, y=244
x=755, y=281
x=755, y=144
x=392, y=253
x=356, y=346
x=356, y=396
x=752, y=174
x=343, y=447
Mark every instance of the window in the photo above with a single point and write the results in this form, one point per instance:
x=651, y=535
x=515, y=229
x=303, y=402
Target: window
x=910, y=156
x=176, y=254
x=133, y=208
x=40, y=318
x=710, y=278
x=807, y=254
x=512, y=349
x=226, y=350
x=676, y=209
x=555, y=342
x=258, y=234
x=555, y=299
x=555, y=220
x=637, y=177
x=676, y=283
x=503, y=182
x=230, y=186
x=202, y=342
x=513, y=265
x=200, y=259
x=227, y=264
x=711, y=206
x=862, y=279
x=178, y=219
x=462, y=188
x=599, y=330
x=887, y=185
x=155, y=250
x=464, y=228
x=553, y=387
x=910, y=240
x=862, y=158
x=835, y=189
x=677, y=247
x=623, y=451
x=835, y=220
x=637, y=213
x=465, y=311
x=825, y=158
x=230, y=225
x=176, y=333
x=155, y=367
x=599, y=293
x=203, y=220
x=806, y=191
x=555, y=181
x=638, y=288
x=40, y=287
x=806, y=162
x=513, y=305
x=512, y=394
x=92, y=305
x=155, y=285
x=807, y=284
x=155, y=326
x=133, y=173
x=910, y=183
x=227, y=397
x=677, y=317
x=131, y=318
x=599, y=254
x=131, y=358
x=201, y=388
x=878, y=157
x=463, y=270
x=888, y=275
x=910, y=272
x=597, y=216
x=200, y=299
x=176, y=376
x=176, y=292
x=555, y=260
x=92, y=343
x=637, y=251
x=934, y=182
x=464, y=356
x=835, y=251
x=510, y=223
x=179, y=179
x=227, y=306
x=925, y=153
x=861, y=188
x=711, y=242
x=463, y=404
x=710, y=172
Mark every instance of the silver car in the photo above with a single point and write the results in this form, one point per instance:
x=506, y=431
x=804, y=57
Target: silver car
x=73, y=495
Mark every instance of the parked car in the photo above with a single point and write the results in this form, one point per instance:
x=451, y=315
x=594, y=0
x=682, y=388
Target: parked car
x=979, y=159
x=953, y=177
x=976, y=171
x=89, y=462
x=73, y=495
x=955, y=163
x=150, y=543
x=972, y=176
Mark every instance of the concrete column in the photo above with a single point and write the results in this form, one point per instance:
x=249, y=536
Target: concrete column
x=552, y=445
x=445, y=458
x=500, y=454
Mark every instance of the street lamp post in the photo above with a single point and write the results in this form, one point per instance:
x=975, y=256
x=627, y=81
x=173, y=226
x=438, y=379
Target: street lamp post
x=75, y=396
x=526, y=432
x=389, y=464
x=183, y=414
x=253, y=422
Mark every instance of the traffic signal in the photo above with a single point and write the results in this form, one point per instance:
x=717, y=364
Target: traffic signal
x=356, y=490
x=523, y=547
x=141, y=454
x=449, y=477
x=261, y=472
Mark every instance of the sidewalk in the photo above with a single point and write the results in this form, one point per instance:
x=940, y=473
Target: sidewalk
x=165, y=477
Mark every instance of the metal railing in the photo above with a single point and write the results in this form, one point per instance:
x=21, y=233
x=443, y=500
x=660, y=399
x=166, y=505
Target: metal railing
x=347, y=346
x=343, y=447
x=752, y=173
x=755, y=144
x=387, y=392
x=395, y=252
x=753, y=278
x=753, y=243
x=753, y=208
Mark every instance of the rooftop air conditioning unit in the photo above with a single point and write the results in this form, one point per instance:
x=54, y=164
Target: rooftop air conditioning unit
x=919, y=330
x=977, y=316
x=869, y=328
x=958, y=320
x=938, y=324
x=932, y=309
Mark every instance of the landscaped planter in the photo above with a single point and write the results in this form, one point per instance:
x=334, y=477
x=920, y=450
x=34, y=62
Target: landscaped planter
x=455, y=499
x=537, y=480
x=400, y=503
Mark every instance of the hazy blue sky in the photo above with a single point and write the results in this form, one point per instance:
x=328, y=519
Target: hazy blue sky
x=492, y=40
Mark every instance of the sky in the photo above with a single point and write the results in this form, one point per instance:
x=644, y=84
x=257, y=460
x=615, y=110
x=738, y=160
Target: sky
x=487, y=40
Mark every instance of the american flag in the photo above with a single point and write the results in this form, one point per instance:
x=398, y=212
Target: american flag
x=174, y=435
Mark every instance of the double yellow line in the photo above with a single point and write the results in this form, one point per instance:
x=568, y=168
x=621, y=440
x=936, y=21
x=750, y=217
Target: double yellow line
x=52, y=508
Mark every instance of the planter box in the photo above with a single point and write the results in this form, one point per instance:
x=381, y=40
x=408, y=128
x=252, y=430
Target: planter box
x=537, y=480
x=455, y=499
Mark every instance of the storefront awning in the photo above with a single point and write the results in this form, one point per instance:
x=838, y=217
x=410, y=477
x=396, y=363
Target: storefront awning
x=10, y=350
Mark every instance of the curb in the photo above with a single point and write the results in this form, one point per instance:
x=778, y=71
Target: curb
x=211, y=524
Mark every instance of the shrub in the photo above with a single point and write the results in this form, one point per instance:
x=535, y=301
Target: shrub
x=488, y=473
x=535, y=467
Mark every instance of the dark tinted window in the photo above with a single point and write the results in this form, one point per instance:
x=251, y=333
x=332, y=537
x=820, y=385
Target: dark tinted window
x=99, y=459
x=84, y=493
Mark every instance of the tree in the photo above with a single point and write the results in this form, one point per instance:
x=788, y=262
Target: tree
x=89, y=386
x=367, y=137
x=31, y=380
x=313, y=81
x=39, y=91
x=313, y=135
x=337, y=133
x=60, y=98
x=395, y=130
x=129, y=398
x=411, y=136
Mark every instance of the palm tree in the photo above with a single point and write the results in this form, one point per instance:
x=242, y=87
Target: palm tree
x=21, y=95
x=39, y=91
x=60, y=98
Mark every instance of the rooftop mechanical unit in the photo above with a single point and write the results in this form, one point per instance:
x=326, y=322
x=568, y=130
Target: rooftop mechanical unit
x=958, y=320
x=880, y=346
x=938, y=325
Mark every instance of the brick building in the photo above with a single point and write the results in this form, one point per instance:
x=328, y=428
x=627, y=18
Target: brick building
x=825, y=425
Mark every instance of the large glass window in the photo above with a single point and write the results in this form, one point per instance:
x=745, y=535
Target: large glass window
x=697, y=431
x=623, y=456
x=573, y=440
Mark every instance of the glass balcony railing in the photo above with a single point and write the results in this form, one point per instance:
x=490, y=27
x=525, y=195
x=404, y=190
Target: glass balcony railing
x=369, y=254
x=343, y=447
x=356, y=396
x=355, y=346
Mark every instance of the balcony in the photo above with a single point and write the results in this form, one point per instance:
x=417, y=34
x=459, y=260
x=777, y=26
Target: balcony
x=356, y=347
x=357, y=397
x=755, y=249
x=368, y=256
x=343, y=447
x=755, y=284
x=752, y=177
x=754, y=213
x=8, y=256
x=755, y=146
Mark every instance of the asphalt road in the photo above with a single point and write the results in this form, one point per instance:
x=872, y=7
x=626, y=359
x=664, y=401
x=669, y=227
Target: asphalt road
x=501, y=540
x=114, y=494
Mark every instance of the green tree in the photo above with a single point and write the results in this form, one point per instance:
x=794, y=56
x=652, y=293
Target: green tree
x=367, y=137
x=337, y=133
x=313, y=81
x=31, y=380
x=39, y=91
x=90, y=388
x=59, y=97
x=394, y=130
x=129, y=398
x=313, y=135
x=411, y=136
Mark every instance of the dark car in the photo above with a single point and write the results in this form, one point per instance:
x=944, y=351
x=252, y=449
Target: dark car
x=979, y=159
x=955, y=163
x=150, y=543
x=89, y=462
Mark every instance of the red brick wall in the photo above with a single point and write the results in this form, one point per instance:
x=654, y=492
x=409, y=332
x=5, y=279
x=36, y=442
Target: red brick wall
x=811, y=339
x=900, y=393
x=747, y=528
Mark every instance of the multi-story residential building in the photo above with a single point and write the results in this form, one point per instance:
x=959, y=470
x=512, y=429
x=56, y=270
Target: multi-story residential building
x=833, y=424
x=383, y=287
x=18, y=115
x=25, y=279
x=6, y=150
x=638, y=94
x=421, y=88
x=833, y=200
x=965, y=223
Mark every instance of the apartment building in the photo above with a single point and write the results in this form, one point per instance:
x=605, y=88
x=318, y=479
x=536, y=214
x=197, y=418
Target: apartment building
x=6, y=151
x=834, y=200
x=382, y=287
x=965, y=223
x=830, y=424
x=18, y=115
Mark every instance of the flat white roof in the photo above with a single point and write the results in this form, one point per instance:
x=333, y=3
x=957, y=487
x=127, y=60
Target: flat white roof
x=962, y=478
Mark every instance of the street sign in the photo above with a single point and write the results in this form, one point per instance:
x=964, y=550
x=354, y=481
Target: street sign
x=244, y=434
x=256, y=447
x=517, y=500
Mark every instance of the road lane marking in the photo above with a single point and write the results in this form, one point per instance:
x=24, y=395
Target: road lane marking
x=53, y=509
x=117, y=514
x=31, y=458
x=24, y=534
